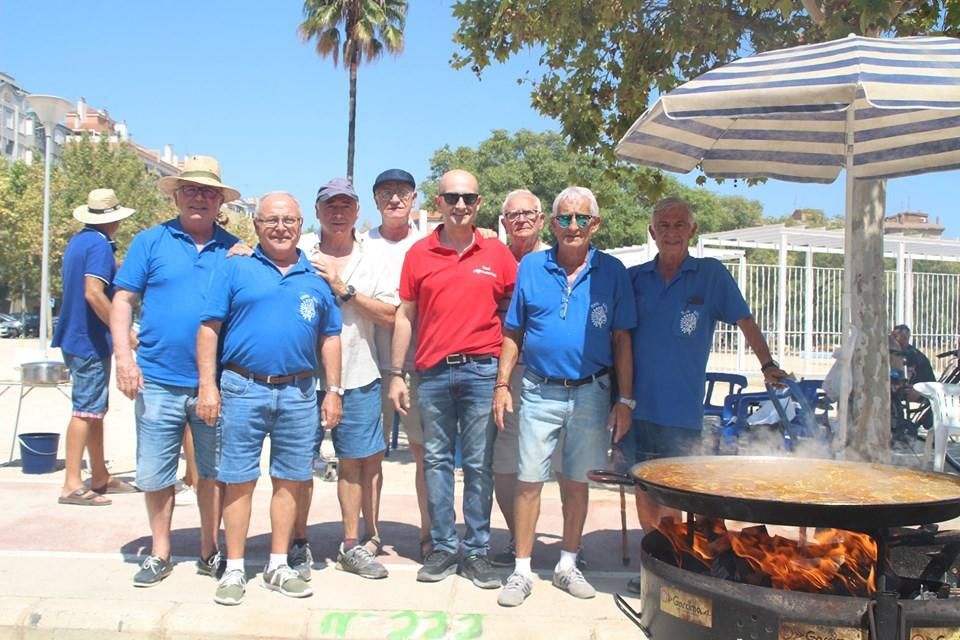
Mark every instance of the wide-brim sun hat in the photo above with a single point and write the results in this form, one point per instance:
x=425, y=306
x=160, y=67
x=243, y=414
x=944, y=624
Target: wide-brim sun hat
x=103, y=207
x=202, y=170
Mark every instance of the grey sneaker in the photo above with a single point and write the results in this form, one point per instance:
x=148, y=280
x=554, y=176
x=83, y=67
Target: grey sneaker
x=438, y=565
x=573, y=582
x=214, y=566
x=516, y=590
x=360, y=561
x=507, y=557
x=286, y=581
x=300, y=559
x=478, y=570
x=231, y=588
x=152, y=571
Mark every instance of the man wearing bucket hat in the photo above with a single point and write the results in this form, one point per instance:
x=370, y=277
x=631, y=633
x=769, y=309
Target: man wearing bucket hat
x=168, y=267
x=83, y=336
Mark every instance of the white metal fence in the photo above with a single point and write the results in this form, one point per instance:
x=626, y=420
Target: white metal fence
x=811, y=309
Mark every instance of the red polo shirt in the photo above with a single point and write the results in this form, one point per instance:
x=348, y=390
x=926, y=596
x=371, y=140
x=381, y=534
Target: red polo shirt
x=457, y=296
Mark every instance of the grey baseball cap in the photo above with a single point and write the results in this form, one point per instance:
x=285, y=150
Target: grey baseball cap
x=337, y=187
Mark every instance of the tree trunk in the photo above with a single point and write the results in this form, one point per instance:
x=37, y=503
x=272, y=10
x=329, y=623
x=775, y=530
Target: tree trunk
x=352, y=124
x=868, y=412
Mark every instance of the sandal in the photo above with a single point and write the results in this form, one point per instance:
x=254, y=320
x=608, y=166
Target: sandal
x=377, y=544
x=115, y=485
x=85, y=498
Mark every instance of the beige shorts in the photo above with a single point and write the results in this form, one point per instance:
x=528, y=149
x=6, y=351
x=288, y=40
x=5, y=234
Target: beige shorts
x=410, y=423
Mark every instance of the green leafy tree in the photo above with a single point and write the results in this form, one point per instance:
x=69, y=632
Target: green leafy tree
x=603, y=61
x=359, y=31
x=542, y=163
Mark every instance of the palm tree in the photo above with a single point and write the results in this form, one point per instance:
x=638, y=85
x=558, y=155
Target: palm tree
x=360, y=31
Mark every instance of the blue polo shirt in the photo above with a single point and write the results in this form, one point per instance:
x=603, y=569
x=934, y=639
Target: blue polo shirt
x=568, y=329
x=79, y=331
x=674, y=334
x=165, y=268
x=273, y=320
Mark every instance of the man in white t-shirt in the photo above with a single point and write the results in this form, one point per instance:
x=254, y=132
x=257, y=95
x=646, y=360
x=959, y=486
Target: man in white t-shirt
x=395, y=192
x=364, y=283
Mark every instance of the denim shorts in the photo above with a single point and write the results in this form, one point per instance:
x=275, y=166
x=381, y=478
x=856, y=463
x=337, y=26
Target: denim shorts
x=360, y=432
x=649, y=441
x=161, y=412
x=250, y=411
x=579, y=413
x=91, y=384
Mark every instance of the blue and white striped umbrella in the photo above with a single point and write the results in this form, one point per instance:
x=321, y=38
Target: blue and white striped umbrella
x=793, y=114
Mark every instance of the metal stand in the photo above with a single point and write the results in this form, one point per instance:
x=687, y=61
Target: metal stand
x=25, y=390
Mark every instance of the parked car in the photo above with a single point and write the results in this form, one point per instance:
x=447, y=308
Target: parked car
x=30, y=322
x=10, y=327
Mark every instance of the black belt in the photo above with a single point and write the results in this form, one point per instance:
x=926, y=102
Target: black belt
x=568, y=382
x=457, y=359
x=271, y=379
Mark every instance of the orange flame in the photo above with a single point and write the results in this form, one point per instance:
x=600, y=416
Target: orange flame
x=832, y=559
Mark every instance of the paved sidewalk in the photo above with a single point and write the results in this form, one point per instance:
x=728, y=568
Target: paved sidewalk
x=65, y=571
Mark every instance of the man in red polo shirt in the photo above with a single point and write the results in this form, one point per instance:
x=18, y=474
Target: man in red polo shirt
x=455, y=285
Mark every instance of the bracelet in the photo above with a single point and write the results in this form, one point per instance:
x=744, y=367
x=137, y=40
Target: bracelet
x=502, y=385
x=396, y=372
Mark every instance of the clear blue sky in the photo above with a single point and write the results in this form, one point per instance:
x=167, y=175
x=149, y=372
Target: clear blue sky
x=233, y=80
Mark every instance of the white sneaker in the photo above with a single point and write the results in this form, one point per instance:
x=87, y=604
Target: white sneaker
x=573, y=582
x=184, y=496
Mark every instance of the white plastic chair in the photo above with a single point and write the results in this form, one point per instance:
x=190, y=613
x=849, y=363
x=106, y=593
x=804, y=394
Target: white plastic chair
x=945, y=406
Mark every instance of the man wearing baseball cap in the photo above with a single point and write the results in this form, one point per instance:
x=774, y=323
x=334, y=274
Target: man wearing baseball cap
x=366, y=291
x=83, y=336
x=168, y=267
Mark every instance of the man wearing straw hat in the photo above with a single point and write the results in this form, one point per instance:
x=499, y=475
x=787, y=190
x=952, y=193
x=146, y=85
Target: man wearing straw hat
x=168, y=267
x=83, y=336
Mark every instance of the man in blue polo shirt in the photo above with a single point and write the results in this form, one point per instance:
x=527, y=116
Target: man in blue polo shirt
x=277, y=315
x=83, y=336
x=168, y=268
x=572, y=312
x=679, y=300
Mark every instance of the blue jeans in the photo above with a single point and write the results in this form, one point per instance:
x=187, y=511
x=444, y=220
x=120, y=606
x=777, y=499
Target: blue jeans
x=452, y=400
x=253, y=410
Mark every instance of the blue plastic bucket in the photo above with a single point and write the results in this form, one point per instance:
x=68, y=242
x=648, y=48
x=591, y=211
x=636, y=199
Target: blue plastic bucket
x=38, y=452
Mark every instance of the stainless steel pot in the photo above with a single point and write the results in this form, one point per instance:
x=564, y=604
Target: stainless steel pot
x=44, y=373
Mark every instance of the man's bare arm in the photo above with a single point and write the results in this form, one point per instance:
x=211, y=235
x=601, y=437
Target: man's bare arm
x=208, y=394
x=129, y=376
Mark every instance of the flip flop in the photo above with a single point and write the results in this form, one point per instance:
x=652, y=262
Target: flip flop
x=116, y=485
x=85, y=498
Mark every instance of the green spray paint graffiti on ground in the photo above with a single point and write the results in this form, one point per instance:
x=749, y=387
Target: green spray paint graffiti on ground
x=407, y=625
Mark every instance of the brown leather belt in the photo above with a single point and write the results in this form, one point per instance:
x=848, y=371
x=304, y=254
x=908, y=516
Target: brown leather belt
x=271, y=379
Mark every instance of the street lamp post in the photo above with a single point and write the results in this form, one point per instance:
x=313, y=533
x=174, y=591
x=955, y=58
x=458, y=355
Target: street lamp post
x=50, y=110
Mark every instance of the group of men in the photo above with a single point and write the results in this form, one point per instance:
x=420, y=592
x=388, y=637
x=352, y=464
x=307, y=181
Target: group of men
x=533, y=359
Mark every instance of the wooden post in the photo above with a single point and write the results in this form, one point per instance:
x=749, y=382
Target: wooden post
x=868, y=416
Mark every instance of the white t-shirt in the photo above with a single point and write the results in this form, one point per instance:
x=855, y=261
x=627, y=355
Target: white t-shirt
x=393, y=252
x=371, y=273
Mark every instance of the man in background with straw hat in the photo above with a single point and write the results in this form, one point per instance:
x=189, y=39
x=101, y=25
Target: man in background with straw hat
x=168, y=267
x=83, y=336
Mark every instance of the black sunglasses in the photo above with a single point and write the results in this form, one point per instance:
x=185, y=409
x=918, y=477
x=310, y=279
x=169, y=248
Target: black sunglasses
x=453, y=198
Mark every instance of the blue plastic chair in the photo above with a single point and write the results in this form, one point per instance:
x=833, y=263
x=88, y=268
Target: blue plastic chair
x=736, y=383
x=804, y=424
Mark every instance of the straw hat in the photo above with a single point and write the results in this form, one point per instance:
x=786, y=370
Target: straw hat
x=203, y=170
x=102, y=207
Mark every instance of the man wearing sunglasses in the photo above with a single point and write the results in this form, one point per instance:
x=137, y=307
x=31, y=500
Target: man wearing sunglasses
x=572, y=312
x=679, y=301
x=169, y=267
x=453, y=284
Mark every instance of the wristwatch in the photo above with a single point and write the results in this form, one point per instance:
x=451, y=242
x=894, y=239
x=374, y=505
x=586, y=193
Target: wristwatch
x=630, y=402
x=349, y=295
x=768, y=364
x=337, y=390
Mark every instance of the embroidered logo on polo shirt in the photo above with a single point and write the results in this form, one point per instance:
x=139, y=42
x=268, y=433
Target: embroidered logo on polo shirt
x=484, y=270
x=688, y=321
x=598, y=314
x=308, y=307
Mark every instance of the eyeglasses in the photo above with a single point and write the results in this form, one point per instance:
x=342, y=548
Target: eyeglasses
x=191, y=191
x=387, y=193
x=273, y=221
x=564, y=219
x=469, y=199
x=529, y=214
